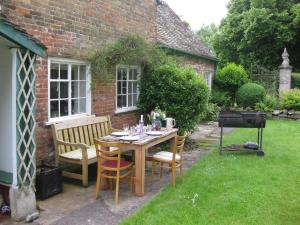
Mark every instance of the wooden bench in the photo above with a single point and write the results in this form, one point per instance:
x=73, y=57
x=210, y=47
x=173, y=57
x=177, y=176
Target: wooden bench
x=74, y=143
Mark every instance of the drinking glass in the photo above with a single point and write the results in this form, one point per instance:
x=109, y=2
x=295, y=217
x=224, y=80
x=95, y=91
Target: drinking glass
x=126, y=127
x=132, y=131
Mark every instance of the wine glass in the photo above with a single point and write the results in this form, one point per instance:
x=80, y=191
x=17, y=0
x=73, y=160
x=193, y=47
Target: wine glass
x=126, y=127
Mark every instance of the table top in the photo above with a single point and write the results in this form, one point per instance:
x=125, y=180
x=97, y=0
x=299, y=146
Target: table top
x=144, y=139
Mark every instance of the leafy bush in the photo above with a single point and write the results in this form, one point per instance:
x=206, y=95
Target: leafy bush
x=211, y=112
x=182, y=93
x=220, y=98
x=295, y=80
x=249, y=94
x=290, y=99
x=231, y=77
x=271, y=102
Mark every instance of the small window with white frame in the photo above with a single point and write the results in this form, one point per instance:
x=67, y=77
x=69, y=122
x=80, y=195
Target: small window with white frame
x=69, y=89
x=208, y=77
x=127, y=87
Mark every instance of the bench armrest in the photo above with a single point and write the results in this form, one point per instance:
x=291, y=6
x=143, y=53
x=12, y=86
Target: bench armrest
x=82, y=146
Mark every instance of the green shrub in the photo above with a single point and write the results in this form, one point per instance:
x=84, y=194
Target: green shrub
x=271, y=102
x=249, y=94
x=220, y=98
x=182, y=93
x=295, y=80
x=211, y=112
x=290, y=99
x=231, y=77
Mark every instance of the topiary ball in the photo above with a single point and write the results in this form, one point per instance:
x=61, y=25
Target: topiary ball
x=249, y=94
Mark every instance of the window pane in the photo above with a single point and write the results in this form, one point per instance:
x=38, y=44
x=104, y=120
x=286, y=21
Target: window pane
x=130, y=87
x=54, y=87
x=82, y=75
x=124, y=74
x=74, y=72
x=130, y=74
x=135, y=77
x=75, y=106
x=119, y=85
x=75, y=89
x=124, y=101
x=63, y=71
x=54, y=109
x=124, y=87
x=64, y=90
x=82, y=105
x=134, y=100
x=129, y=100
x=119, y=101
x=134, y=88
x=82, y=89
x=119, y=76
x=54, y=71
x=64, y=108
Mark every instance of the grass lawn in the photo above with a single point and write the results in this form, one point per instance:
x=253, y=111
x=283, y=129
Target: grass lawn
x=236, y=188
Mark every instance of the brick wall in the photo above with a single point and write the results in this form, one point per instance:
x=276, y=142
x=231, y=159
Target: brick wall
x=76, y=29
x=199, y=65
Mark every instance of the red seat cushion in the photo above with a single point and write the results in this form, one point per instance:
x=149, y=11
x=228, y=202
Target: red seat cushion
x=113, y=163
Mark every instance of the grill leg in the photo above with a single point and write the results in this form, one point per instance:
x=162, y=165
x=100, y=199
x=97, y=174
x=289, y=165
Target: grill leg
x=221, y=141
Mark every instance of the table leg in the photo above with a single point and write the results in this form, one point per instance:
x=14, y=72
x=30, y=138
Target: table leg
x=140, y=171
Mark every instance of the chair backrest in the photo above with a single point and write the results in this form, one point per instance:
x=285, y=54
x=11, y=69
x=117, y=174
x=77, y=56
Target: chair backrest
x=83, y=130
x=104, y=154
x=179, y=144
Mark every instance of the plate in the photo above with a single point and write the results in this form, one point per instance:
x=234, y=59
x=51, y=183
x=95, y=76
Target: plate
x=119, y=134
x=130, y=138
x=155, y=133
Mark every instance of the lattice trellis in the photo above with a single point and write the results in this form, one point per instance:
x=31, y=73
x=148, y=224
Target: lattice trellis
x=25, y=113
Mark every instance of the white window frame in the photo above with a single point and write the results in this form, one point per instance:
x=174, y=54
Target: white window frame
x=208, y=73
x=70, y=62
x=128, y=67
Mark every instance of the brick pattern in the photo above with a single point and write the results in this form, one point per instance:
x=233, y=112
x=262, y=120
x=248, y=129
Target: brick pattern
x=199, y=65
x=76, y=29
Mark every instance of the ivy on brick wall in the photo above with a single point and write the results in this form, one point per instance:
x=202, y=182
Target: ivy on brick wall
x=129, y=50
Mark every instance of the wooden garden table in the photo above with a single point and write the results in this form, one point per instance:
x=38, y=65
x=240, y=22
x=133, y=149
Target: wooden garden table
x=140, y=147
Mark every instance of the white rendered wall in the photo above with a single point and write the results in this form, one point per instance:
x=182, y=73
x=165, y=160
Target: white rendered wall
x=6, y=161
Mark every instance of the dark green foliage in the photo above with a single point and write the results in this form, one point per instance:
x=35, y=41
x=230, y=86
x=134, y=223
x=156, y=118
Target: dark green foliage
x=249, y=94
x=211, y=112
x=295, y=80
x=231, y=77
x=206, y=34
x=180, y=92
x=257, y=31
x=220, y=98
x=290, y=99
x=268, y=105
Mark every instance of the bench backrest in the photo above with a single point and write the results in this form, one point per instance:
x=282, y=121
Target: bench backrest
x=83, y=130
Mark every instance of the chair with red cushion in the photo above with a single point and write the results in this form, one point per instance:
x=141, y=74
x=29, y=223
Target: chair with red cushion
x=111, y=166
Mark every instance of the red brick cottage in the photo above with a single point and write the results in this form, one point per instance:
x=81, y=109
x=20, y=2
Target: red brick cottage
x=72, y=30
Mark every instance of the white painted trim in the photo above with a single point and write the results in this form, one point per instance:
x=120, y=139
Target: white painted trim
x=129, y=109
x=127, y=67
x=88, y=88
x=14, y=116
x=66, y=118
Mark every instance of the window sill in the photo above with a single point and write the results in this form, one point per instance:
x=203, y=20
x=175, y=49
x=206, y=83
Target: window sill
x=126, y=110
x=67, y=118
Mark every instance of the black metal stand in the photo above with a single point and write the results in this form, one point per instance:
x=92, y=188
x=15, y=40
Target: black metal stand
x=259, y=151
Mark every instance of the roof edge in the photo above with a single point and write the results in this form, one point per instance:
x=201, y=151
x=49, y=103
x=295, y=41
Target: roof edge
x=174, y=50
x=8, y=31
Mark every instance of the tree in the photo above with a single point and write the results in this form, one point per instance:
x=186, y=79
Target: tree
x=206, y=34
x=257, y=31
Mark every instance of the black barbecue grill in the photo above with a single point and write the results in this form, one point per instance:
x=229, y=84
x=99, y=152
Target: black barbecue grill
x=243, y=120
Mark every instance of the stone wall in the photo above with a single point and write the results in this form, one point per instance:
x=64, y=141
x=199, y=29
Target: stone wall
x=75, y=29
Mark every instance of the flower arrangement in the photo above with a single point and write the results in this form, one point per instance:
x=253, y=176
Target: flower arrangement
x=158, y=114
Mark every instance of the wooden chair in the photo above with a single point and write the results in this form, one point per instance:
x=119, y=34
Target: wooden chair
x=111, y=166
x=170, y=160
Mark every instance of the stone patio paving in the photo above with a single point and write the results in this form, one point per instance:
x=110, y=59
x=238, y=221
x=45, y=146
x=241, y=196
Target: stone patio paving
x=76, y=205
